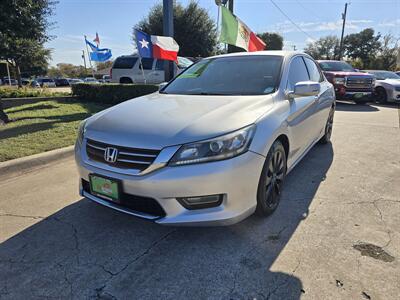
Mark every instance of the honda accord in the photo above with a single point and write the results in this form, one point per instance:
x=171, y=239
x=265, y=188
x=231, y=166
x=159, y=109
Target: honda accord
x=212, y=146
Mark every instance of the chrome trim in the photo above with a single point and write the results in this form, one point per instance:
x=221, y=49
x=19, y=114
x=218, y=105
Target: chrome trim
x=161, y=161
x=96, y=147
x=137, y=154
x=134, y=161
x=119, y=208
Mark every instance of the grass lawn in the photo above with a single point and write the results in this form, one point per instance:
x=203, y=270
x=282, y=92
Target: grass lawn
x=42, y=126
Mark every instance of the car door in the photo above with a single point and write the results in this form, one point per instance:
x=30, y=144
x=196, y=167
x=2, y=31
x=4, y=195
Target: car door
x=158, y=74
x=325, y=96
x=143, y=71
x=301, y=118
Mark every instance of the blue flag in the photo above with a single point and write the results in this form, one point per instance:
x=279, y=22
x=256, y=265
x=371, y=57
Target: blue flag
x=144, y=44
x=98, y=54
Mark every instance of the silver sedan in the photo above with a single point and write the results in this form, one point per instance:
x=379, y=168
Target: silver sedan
x=214, y=145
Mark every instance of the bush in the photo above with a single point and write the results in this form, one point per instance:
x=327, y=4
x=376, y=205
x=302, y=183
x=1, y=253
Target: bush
x=111, y=93
x=14, y=92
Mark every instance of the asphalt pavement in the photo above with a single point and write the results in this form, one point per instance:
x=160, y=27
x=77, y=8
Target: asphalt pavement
x=335, y=235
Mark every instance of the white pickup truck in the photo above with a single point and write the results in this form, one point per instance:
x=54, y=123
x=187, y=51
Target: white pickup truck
x=127, y=69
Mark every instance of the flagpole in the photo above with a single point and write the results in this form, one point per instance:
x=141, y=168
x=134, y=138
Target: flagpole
x=141, y=67
x=90, y=61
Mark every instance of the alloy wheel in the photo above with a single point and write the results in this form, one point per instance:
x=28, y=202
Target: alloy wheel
x=274, y=179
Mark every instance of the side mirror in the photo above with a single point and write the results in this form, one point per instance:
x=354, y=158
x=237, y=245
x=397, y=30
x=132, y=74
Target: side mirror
x=162, y=85
x=305, y=89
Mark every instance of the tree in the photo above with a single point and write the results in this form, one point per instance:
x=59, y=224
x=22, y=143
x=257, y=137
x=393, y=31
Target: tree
x=67, y=70
x=104, y=65
x=324, y=48
x=195, y=31
x=363, y=45
x=387, y=54
x=274, y=41
x=24, y=26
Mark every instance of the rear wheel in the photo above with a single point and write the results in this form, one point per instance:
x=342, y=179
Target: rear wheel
x=381, y=95
x=125, y=80
x=271, y=180
x=328, y=128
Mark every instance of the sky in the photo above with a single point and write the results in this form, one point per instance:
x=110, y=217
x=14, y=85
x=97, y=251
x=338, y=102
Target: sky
x=114, y=19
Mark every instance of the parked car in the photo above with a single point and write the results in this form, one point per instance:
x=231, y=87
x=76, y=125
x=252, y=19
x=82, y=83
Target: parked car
x=8, y=81
x=387, y=85
x=90, y=80
x=214, y=145
x=34, y=84
x=106, y=78
x=74, y=81
x=46, y=82
x=398, y=73
x=349, y=83
x=127, y=69
x=25, y=81
x=61, y=82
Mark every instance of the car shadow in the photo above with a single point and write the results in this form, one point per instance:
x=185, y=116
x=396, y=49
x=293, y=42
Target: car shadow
x=349, y=106
x=89, y=251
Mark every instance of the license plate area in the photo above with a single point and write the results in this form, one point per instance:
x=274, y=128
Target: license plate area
x=104, y=187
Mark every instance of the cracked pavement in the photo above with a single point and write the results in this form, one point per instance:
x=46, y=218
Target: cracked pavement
x=53, y=244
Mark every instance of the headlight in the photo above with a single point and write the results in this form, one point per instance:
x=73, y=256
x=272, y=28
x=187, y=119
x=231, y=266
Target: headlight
x=219, y=148
x=338, y=80
x=81, y=131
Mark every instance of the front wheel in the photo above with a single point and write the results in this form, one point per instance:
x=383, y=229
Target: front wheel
x=271, y=180
x=381, y=95
x=328, y=128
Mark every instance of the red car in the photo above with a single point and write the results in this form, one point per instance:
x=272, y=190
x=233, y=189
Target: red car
x=349, y=83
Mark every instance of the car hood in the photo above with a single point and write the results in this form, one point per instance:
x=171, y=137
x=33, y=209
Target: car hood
x=340, y=73
x=159, y=120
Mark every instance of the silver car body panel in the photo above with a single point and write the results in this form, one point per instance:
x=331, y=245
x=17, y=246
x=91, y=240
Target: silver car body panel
x=390, y=86
x=165, y=121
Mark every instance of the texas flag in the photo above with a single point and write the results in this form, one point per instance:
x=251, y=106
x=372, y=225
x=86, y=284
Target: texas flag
x=155, y=46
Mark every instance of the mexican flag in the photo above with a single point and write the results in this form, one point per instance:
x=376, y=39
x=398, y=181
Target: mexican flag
x=235, y=32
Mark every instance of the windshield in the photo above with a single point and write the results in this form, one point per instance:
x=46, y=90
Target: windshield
x=238, y=75
x=336, y=66
x=382, y=75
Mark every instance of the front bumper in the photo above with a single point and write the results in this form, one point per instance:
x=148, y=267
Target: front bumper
x=236, y=178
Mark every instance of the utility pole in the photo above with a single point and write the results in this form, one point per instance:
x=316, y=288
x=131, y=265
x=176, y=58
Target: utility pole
x=84, y=59
x=341, y=38
x=168, y=30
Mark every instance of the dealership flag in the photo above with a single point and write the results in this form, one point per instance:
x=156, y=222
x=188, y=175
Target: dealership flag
x=154, y=46
x=235, y=32
x=98, y=54
x=97, y=40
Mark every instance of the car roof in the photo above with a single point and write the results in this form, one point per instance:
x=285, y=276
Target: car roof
x=282, y=53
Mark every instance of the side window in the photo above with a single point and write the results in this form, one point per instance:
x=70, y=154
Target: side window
x=147, y=63
x=297, y=72
x=160, y=65
x=315, y=74
x=126, y=62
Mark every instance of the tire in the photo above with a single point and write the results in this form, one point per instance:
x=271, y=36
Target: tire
x=271, y=180
x=125, y=80
x=328, y=128
x=381, y=95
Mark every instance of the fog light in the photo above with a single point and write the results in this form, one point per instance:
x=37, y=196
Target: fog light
x=201, y=201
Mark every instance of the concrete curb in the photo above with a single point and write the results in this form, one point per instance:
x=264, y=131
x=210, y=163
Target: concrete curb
x=21, y=165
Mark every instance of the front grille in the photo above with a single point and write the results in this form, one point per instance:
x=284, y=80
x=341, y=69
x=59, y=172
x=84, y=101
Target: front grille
x=135, y=203
x=127, y=158
x=359, y=82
